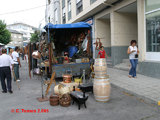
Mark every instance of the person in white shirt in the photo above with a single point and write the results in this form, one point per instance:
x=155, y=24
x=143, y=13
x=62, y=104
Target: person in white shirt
x=17, y=63
x=5, y=71
x=133, y=57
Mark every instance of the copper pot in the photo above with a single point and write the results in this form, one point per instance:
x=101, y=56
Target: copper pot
x=67, y=78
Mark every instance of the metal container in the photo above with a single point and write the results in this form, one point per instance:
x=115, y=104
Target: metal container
x=67, y=78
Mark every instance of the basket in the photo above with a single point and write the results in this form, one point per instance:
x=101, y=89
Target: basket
x=65, y=100
x=61, y=89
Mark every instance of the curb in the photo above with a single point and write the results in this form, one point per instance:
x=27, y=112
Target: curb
x=140, y=97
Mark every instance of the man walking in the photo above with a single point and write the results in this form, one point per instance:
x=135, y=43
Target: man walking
x=17, y=63
x=5, y=71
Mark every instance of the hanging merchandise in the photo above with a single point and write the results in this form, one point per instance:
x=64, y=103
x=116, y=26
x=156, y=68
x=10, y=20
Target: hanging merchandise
x=85, y=43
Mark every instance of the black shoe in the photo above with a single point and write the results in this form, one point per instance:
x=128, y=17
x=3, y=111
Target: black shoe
x=4, y=91
x=10, y=91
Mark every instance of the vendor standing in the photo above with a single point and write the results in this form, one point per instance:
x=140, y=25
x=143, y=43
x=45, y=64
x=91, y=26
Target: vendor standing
x=102, y=53
x=5, y=71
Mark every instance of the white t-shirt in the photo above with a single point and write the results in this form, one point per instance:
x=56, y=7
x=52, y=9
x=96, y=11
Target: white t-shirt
x=132, y=55
x=15, y=55
x=5, y=60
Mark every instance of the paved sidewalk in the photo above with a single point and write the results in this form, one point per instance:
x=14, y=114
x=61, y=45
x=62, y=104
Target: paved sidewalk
x=144, y=87
x=119, y=107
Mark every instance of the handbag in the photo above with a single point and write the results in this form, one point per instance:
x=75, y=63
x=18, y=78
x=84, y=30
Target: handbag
x=136, y=55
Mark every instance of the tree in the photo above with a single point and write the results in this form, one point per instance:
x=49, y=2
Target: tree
x=5, y=35
x=35, y=36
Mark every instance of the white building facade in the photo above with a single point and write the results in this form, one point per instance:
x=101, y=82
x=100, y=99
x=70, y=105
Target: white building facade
x=16, y=39
x=25, y=29
x=116, y=23
x=52, y=14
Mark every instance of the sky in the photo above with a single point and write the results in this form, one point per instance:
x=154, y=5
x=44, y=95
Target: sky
x=32, y=17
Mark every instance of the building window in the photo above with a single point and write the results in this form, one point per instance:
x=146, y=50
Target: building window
x=56, y=16
x=63, y=3
x=153, y=25
x=79, y=6
x=92, y=1
x=49, y=2
x=69, y=10
x=63, y=12
x=49, y=19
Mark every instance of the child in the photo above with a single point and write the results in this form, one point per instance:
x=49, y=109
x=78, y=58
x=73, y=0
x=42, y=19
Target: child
x=102, y=53
x=66, y=58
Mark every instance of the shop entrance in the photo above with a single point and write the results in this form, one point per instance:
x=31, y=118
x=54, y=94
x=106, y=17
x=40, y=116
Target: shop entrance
x=124, y=29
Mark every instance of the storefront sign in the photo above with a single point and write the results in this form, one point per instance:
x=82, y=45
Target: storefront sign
x=89, y=21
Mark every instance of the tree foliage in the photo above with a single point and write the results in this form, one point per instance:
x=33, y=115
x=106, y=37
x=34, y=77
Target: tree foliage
x=5, y=35
x=35, y=36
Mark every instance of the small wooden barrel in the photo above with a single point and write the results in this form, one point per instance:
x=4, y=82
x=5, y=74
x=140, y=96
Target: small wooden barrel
x=100, y=67
x=67, y=78
x=54, y=100
x=101, y=89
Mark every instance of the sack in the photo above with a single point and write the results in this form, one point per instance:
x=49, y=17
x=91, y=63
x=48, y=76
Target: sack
x=136, y=55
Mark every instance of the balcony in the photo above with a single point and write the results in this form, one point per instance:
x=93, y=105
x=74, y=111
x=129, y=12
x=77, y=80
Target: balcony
x=91, y=9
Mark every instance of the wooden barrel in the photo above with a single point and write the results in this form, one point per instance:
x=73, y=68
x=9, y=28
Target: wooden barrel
x=101, y=89
x=100, y=67
x=54, y=100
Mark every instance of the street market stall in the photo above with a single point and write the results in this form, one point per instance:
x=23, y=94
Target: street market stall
x=70, y=46
x=66, y=52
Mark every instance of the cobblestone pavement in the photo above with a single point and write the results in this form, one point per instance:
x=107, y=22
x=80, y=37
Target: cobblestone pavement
x=122, y=106
x=145, y=87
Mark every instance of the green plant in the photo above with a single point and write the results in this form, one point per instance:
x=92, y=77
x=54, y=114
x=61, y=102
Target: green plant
x=5, y=35
x=35, y=36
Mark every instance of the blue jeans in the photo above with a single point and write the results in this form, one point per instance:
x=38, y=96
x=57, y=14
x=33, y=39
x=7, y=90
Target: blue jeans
x=132, y=71
x=16, y=71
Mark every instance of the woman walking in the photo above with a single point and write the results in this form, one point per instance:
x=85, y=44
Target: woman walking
x=133, y=57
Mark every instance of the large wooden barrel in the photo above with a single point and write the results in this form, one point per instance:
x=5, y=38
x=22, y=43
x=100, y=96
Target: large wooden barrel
x=101, y=89
x=100, y=67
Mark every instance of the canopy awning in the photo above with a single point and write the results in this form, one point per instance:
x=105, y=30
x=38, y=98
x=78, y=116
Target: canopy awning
x=68, y=26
